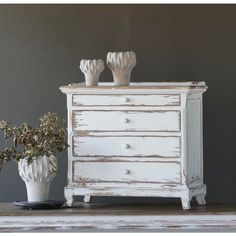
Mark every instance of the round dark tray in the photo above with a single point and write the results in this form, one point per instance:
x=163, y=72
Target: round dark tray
x=50, y=204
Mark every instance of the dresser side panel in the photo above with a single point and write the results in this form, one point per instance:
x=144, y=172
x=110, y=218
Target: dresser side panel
x=194, y=140
x=69, y=139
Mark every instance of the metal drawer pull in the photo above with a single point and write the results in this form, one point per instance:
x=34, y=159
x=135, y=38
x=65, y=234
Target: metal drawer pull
x=126, y=146
x=126, y=99
x=127, y=172
x=126, y=120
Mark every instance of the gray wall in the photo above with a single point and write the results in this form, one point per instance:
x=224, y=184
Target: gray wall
x=41, y=46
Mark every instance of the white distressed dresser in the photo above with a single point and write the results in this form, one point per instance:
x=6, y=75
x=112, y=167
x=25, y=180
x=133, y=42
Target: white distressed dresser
x=145, y=140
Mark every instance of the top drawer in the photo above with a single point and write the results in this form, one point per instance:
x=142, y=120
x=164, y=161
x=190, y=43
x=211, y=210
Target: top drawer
x=127, y=100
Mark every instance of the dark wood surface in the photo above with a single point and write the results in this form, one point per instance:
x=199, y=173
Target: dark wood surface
x=9, y=209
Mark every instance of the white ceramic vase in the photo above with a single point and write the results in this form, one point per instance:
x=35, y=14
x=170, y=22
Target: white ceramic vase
x=121, y=65
x=92, y=70
x=37, y=176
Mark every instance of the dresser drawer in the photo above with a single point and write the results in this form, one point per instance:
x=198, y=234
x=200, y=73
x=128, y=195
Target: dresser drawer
x=126, y=100
x=126, y=146
x=126, y=121
x=146, y=172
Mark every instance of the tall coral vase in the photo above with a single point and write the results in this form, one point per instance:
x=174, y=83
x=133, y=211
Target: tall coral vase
x=121, y=65
x=37, y=176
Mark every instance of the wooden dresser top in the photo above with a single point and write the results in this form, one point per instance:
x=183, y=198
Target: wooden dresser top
x=75, y=87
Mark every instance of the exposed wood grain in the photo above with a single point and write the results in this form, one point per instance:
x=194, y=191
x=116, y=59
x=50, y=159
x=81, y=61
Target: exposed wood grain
x=126, y=108
x=125, y=159
x=134, y=87
x=119, y=217
x=135, y=189
x=126, y=133
x=130, y=208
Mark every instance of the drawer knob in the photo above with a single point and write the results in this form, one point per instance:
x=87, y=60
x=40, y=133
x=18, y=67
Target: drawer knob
x=126, y=146
x=126, y=99
x=127, y=171
x=126, y=120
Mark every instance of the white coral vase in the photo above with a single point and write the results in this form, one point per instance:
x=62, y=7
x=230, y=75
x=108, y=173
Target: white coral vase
x=37, y=176
x=121, y=65
x=92, y=70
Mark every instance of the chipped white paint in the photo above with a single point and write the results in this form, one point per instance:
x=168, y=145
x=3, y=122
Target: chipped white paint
x=129, y=140
x=127, y=172
x=126, y=100
x=126, y=120
x=126, y=146
x=135, y=189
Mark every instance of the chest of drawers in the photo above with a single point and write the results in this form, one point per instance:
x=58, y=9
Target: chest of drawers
x=143, y=140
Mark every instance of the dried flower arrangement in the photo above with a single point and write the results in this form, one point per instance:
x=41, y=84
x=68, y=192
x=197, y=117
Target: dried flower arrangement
x=31, y=143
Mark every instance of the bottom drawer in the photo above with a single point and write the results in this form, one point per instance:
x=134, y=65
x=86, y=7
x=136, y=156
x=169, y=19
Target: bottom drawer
x=149, y=172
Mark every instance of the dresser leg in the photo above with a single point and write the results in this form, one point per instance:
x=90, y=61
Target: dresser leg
x=87, y=198
x=201, y=199
x=186, y=203
x=69, y=199
x=70, y=202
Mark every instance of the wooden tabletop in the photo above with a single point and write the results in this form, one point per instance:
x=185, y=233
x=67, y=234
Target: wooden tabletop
x=75, y=87
x=119, y=217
